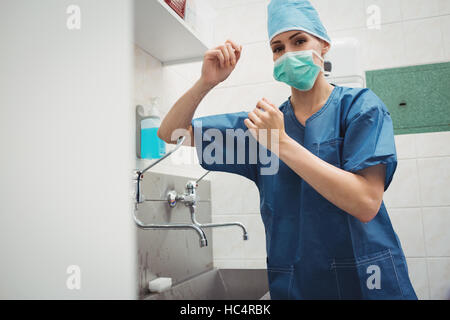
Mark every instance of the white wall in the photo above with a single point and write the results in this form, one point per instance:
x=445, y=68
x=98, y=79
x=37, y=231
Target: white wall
x=418, y=202
x=66, y=150
x=169, y=83
x=412, y=32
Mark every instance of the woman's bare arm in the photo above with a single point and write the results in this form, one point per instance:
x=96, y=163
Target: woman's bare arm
x=218, y=64
x=182, y=112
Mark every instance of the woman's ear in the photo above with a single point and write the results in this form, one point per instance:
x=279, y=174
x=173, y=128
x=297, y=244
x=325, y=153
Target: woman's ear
x=325, y=47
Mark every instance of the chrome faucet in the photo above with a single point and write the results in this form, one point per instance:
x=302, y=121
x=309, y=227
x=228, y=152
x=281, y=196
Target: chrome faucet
x=189, y=198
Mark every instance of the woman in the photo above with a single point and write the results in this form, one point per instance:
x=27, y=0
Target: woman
x=328, y=233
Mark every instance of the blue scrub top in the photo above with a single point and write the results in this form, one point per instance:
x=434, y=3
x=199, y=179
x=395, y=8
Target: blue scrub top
x=315, y=250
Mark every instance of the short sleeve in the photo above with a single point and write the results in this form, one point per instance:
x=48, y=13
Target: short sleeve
x=223, y=143
x=369, y=140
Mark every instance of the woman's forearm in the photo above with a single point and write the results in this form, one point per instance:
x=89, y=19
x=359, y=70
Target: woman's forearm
x=348, y=191
x=218, y=63
x=182, y=112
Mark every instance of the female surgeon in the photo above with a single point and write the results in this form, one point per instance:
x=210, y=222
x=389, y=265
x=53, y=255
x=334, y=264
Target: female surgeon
x=328, y=233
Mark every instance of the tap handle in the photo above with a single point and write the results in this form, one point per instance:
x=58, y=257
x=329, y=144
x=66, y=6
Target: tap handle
x=202, y=177
x=179, y=143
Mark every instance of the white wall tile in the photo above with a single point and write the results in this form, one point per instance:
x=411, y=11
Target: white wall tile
x=417, y=268
x=342, y=14
x=255, y=263
x=433, y=144
x=173, y=87
x=406, y=146
x=183, y=171
x=228, y=241
x=423, y=41
x=229, y=264
x=242, y=98
x=385, y=47
x=434, y=175
x=191, y=71
x=439, y=276
x=255, y=66
x=436, y=221
x=225, y=193
x=255, y=246
x=244, y=24
x=233, y=194
x=147, y=75
x=416, y=9
x=404, y=188
x=445, y=29
x=443, y=7
x=390, y=10
x=359, y=34
x=407, y=224
x=226, y=100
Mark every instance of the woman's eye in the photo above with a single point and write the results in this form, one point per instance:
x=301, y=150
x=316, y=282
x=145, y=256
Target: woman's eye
x=299, y=41
x=276, y=50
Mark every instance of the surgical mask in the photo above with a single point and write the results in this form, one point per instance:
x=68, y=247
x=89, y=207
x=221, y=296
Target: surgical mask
x=297, y=69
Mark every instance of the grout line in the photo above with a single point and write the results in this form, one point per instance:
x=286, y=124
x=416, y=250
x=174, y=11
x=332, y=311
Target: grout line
x=444, y=51
x=399, y=66
x=425, y=157
x=432, y=157
x=416, y=207
x=331, y=31
x=402, y=13
x=405, y=45
x=425, y=18
x=429, y=257
x=445, y=206
x=423, y=226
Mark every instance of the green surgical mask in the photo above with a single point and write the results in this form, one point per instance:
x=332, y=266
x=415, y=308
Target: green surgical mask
x=297, y=69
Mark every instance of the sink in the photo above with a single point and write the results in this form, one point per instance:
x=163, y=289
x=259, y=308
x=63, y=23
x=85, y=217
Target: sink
x=219, y=284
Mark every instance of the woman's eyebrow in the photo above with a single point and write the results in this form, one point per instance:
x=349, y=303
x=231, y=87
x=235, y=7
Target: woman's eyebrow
x=295, y=34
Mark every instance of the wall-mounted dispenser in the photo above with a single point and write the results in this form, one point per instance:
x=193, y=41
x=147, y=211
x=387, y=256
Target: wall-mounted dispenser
x=344, y=66
x=148, y=144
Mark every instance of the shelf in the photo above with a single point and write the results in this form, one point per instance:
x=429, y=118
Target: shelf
x=164, y=34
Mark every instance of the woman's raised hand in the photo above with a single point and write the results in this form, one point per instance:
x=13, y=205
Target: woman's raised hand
x=218, y=63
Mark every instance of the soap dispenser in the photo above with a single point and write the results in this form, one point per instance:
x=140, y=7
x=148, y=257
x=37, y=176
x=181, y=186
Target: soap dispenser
x=151, y=146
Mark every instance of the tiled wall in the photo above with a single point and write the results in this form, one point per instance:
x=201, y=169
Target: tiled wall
x=418, y=202
x=151, y=79
x=411, y=32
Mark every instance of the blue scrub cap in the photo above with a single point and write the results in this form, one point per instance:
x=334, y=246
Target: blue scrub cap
x=288, y=15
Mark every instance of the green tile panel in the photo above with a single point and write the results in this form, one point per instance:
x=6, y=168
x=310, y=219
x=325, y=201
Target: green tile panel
x=417, y=97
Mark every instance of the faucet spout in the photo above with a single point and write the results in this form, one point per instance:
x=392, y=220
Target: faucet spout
x=139, y=175
x=200, y=232
x=215, y=225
